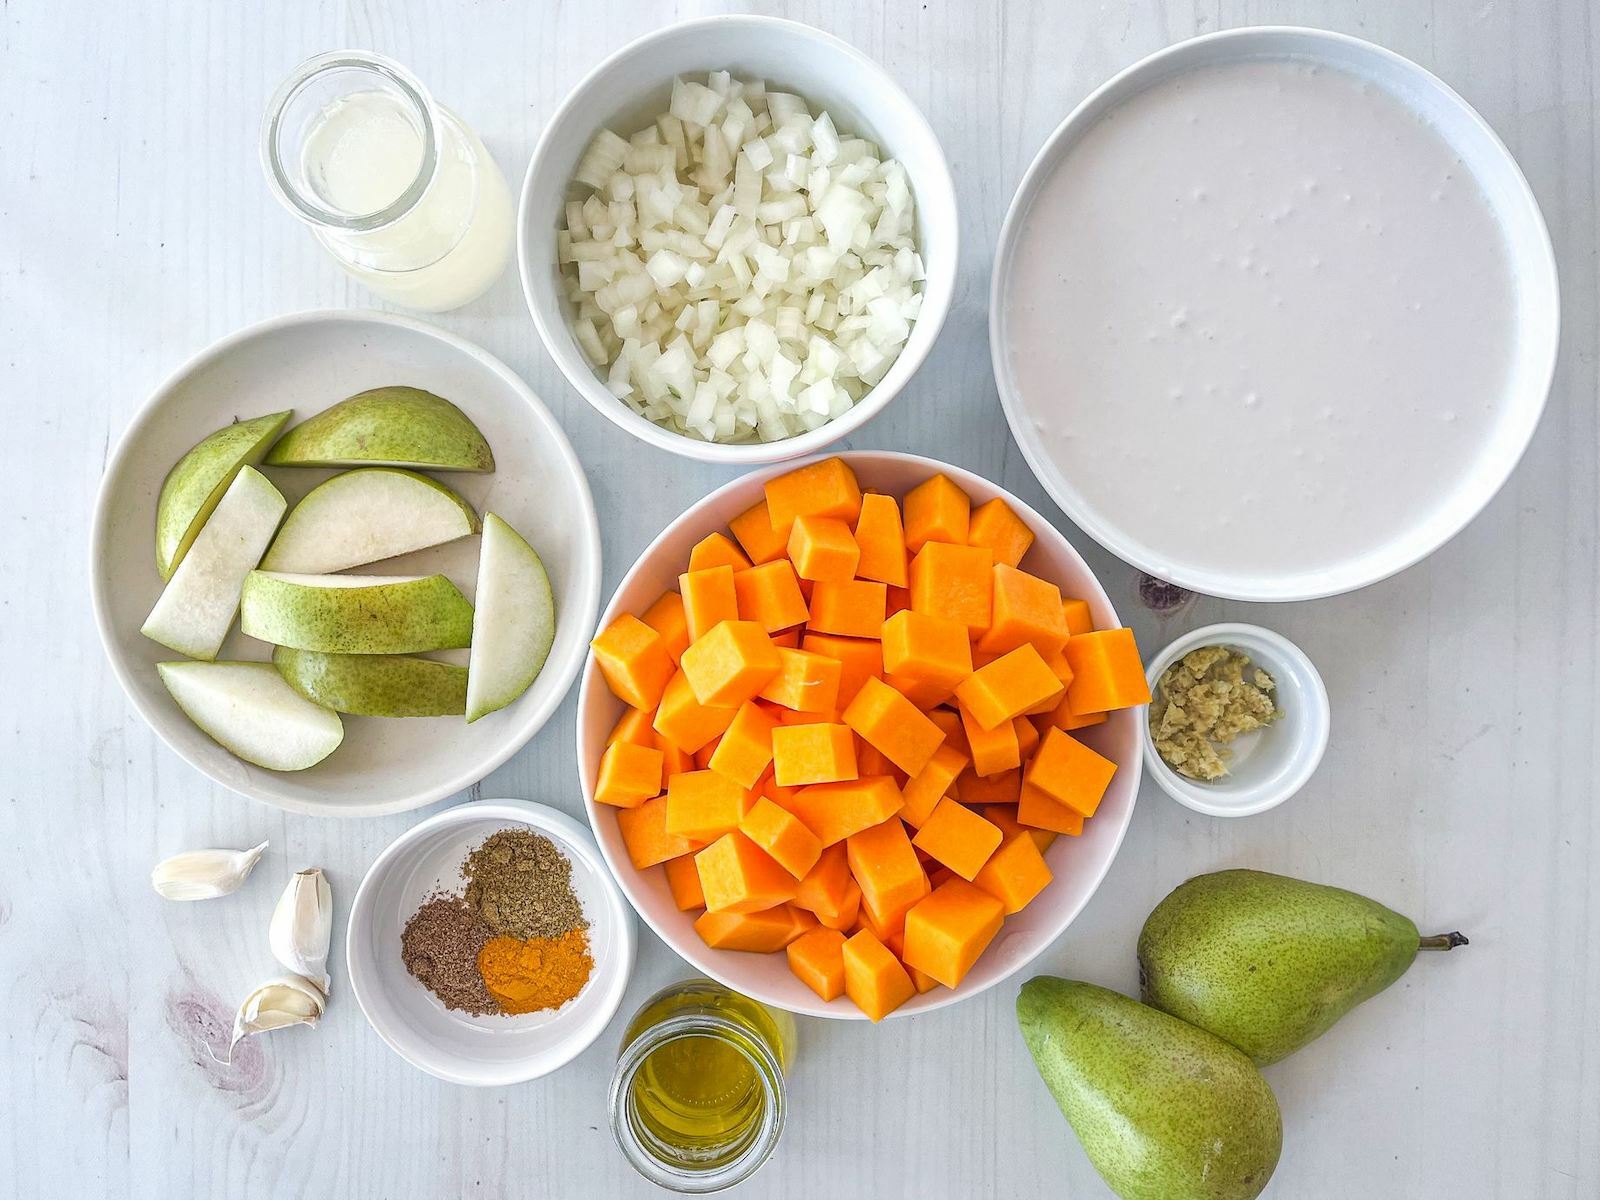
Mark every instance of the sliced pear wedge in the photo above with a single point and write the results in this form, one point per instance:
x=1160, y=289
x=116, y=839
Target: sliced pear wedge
x=197, y=607
x=367, y=515
x=355, y=614
x=375, y=685
x=515, y=623
x=387, y=427
x=195, y=485
x=249, y=710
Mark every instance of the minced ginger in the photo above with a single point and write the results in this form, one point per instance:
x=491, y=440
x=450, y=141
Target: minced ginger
x=1202, y=703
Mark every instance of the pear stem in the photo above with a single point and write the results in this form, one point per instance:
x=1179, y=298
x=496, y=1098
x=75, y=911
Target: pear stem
x=1442, y=941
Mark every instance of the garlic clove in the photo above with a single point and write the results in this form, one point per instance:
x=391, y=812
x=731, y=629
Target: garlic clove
x=302, y=925
x=204, y=874
x=276, y=1004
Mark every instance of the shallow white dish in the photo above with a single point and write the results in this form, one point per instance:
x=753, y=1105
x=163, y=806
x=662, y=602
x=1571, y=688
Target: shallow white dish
x=1535, y=306
x=1078, y=863
x=310, y=361
x=631, y=87
x=1271, y=764
x=486, y=1051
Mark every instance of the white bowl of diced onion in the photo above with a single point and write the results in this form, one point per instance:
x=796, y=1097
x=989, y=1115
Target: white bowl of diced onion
x=710, y=318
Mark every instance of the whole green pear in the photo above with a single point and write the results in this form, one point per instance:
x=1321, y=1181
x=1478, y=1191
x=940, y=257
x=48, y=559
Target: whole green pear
x=1269, y=963
x=1164, y=1110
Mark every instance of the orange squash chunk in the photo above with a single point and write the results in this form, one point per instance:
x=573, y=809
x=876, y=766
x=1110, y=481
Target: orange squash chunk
x=991, y=750
x=871, y=761
x=1006, y=688
x=761, y=542
x=950, y=928
x=953, y=582
x=820, y=489
x=849, y=911
x=1077, y=616
x=683, y=881
x=629, y=775
x=673, y=760
x=936, y=511
x=823, y=548
x=744, y=752
x=922, y=982
x=702, y=757
x=1027, y=737
x=686, y=723
x=891, y=723
x=644, y=833
x=955, y=735
x=779, y=832
x=814, y=753
x=704, y=805
x=884, y=864
x=1014, y=874
x=847, y=607
x=859, y=659
x=633, y=728
x=999, y=788
x=758, y=932
x=873, y=978
x=1005, y=816
x=1057, y=663
x=996, y=527
x=1063, y=718
x=791, y=716
x=634, y=660
x=927, y=649
x=666, y=617
x=739, y=876
x=770, y=595
x=1106, y=672
x=881, y=539
x=730, y=664
x=959, y=838
x=1024, y=609
x=890, y=928
x=1040, y=810
x=716, y=550
x=817, y=959
x=1070, y=773
x=825, y=888
x=927, y=787
x=708, y=599
x=834, y=811
x=805, y=682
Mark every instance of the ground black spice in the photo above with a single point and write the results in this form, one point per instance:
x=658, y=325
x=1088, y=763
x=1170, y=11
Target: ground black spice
x=521, y=886
x=440, y=947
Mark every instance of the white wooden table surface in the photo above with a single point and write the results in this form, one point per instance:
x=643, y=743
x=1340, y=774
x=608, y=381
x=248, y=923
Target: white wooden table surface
x=135, y=228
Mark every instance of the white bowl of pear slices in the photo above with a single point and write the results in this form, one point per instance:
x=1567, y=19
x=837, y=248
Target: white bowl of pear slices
x=345, y=563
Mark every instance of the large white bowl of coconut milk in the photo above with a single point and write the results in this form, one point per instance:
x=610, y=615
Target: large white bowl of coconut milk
x=1274, y=314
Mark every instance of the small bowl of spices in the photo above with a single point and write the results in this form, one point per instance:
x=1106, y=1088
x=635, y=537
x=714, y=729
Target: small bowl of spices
x=1238, y=720
x=488, y=945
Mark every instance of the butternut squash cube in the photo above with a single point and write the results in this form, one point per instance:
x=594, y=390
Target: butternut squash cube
x=753, y=527
x=1077, y=616
x=936, y=511
x=629, y=775
x=859, y=659
x=763, y=932
x=805, y=682
x=886, y=867
x=892, y=724
x=825, y=888
x=633, y=659
x=817, y=959
x=814, y=753
x=708, y=599
x=996, y=527
x=716, y=550
x=959, y=838
x=992, y=750
x=873, y=978
x=928, y=649
x=820, y=489
x=823, y=548
x=683, y=881
x=686, y=723
x=779, y=832
x=704, y=805
x=666, y=617
x=1040, y=810
x=744, y=752
x=1006, y=688
x=927, y=787
x=736, y=875
x=730, y=664
x=1015, y=873
x=947, y=930
x=1070, y=773
x=644, y=833
x=770, y=595
x=1024, y=610
x=954, y=582
x=1107, y=672
x=848, y=607
x=834, y=811
x=881, y=539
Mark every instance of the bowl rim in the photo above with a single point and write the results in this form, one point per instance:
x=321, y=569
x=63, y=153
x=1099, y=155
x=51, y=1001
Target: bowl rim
x=1531, y=400
x=1311, y=731
x=587, y=559
x=938, y=287
x=701, y=958
x=619, y=919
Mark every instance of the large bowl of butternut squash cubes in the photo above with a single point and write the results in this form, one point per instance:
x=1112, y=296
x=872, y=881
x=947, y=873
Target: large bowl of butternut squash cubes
x=860, y=737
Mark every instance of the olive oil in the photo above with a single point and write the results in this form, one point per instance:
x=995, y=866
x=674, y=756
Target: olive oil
x=697, y=1102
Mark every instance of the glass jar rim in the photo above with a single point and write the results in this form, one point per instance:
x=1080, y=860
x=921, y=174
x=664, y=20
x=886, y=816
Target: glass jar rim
x=292, y=196
x=769, y=1073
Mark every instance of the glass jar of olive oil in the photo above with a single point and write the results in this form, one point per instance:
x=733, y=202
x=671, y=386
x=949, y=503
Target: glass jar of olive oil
x=697, y=1100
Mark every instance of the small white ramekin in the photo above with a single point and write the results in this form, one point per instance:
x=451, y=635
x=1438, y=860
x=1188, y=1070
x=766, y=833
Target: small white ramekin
x=1271, y=765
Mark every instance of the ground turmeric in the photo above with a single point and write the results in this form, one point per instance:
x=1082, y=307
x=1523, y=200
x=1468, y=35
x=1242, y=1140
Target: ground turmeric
x=536, y=973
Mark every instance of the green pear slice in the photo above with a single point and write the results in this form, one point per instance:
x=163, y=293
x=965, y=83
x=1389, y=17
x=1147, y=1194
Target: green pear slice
x=516, y=620
x=195, y=485
x=247, y=708
x=367, y=515
x=355, y=614
x=386, y=427
x=197, y=607
x=375, y=685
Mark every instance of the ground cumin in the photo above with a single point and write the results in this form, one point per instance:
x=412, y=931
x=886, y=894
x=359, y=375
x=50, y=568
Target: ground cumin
x=526, y=976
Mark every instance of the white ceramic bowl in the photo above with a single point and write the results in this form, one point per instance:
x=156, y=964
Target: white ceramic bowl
x=632, y=86
x=1079, y=863
x=485, y=1051
x=1532, y=266
x=310, y=361
x=1270, y=765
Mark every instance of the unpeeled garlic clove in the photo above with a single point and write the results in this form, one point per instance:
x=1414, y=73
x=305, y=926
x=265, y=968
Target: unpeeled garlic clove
x=204, y=874
x=302, y=925
x=286, y=1000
